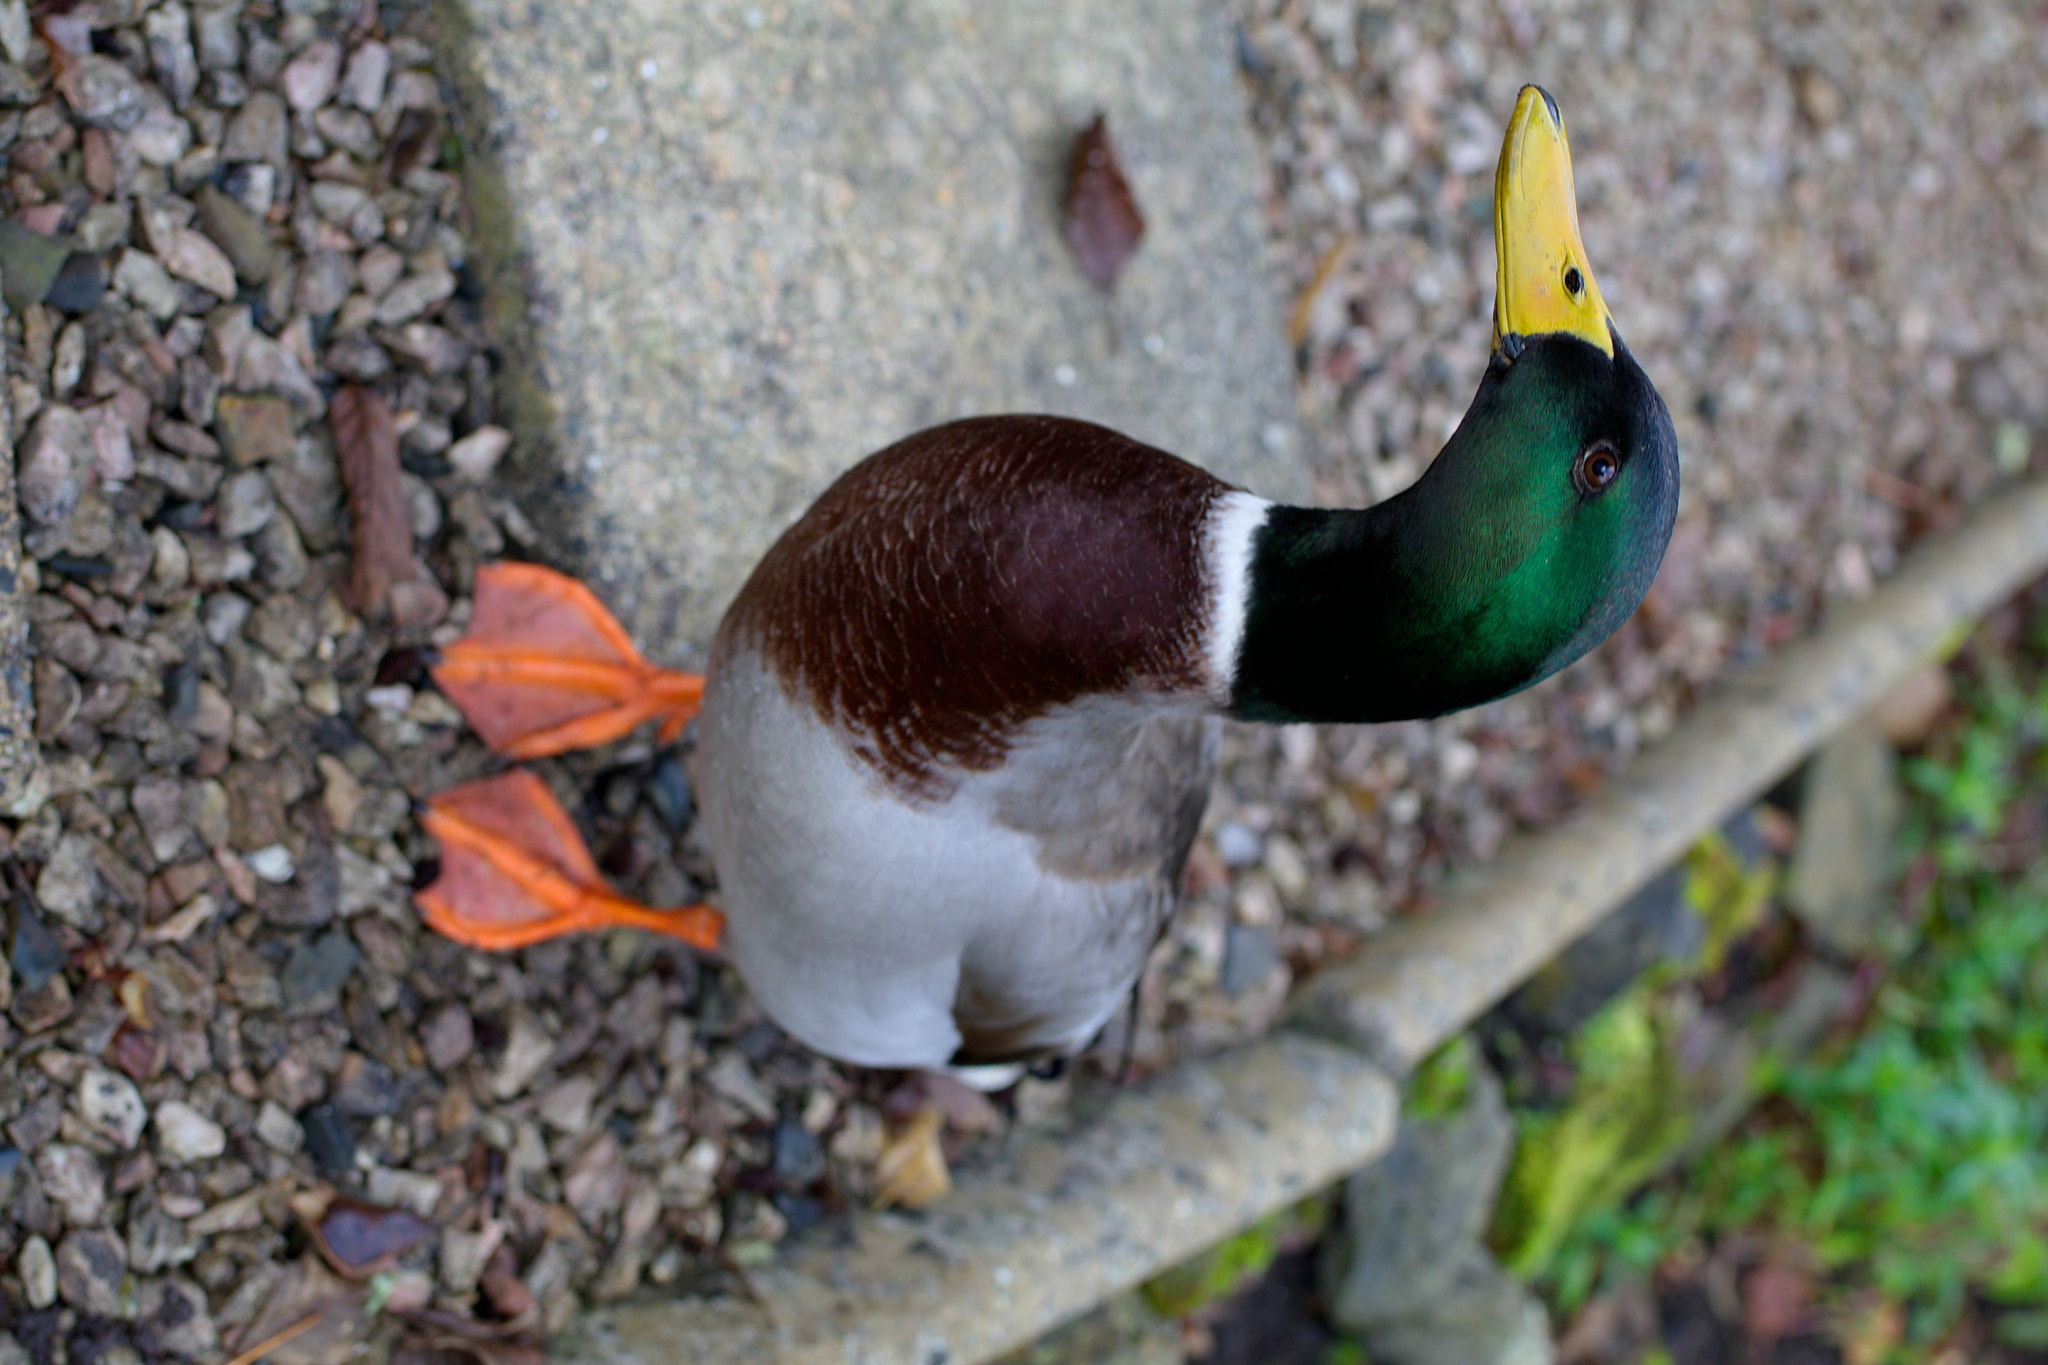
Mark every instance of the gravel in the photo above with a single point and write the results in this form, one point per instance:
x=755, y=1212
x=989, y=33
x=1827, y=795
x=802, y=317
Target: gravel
x=218, y=1007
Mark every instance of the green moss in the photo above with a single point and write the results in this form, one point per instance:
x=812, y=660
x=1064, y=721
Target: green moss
x=1228, y=1266
x=1728, y=896
x=1625, y=1119
x=1442, y=1085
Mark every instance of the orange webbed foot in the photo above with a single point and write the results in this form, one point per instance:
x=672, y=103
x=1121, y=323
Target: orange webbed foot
x=514, y=871
x=545, y=668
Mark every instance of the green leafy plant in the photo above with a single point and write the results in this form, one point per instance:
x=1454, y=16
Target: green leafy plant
x=1912, y=1157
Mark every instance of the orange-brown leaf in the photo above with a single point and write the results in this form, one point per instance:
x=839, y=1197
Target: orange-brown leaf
x=1103, y=222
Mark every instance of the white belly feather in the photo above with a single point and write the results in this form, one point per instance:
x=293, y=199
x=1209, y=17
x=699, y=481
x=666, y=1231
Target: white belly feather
x=863, y=925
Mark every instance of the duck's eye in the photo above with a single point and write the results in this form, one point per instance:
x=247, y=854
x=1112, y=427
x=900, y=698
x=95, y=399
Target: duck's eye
x=1574, y=282
x=1597, y=467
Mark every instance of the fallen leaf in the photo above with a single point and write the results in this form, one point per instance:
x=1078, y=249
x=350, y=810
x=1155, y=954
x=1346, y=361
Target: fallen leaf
x=380, y=523
x=508, y=1295
x=136, y=1051
x=1103, y=222
x=360, y=1239
x=309, y=1289
x=912, y=1169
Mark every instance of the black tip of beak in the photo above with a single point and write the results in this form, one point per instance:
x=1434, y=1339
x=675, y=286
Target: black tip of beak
x=1548, y=103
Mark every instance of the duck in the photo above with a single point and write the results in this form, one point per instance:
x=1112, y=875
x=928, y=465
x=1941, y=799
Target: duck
x=958, y=729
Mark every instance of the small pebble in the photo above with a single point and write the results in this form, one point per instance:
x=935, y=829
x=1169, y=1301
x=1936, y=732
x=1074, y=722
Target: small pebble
x=330, y=1139
x=1237, y=845
x=111, y=1104
x=272, y=863
x=38, y=1270
x=184, y=1135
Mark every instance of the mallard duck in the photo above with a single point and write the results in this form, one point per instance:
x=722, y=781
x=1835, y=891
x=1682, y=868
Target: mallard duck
x=959, y=727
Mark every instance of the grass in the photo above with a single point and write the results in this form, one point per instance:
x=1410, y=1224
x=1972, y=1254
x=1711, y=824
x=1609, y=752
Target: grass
x=1909, y=1158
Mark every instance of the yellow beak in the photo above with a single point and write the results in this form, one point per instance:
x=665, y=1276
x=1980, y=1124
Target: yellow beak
x=1542, y=282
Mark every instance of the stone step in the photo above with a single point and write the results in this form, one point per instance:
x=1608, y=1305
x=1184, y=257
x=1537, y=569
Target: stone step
x=732, y=248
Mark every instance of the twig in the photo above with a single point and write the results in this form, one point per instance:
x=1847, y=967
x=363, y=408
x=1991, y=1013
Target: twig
x=275, y=1340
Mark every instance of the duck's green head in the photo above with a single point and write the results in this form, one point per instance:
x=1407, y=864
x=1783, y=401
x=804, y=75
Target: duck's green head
x=1530, y=538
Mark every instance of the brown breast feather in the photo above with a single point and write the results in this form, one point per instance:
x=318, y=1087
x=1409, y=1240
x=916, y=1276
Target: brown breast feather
x=968, y=578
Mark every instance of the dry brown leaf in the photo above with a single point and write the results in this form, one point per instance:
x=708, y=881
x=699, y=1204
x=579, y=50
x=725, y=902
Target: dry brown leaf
x=1103, y=222
x=501, y=1284
x=912, y=1170
x=384, y=577
x=307, y=1288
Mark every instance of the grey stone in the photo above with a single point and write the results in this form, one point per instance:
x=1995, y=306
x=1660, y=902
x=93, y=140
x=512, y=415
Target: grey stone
x=160, y=137
x=92, y=1274
x=219, y=36
x=112, y=1107
x=739, y=291
x=1411, y=1218
x=1849, y=808
x=413, y=295
x=176, y=1312
x=448, y=1036
x=72, y=1178
x=19, y=87
x=350, y=130
x=365, y=1087
x=16, y=32
x=267, y=367
x=54, y=457
x=30, y=262
x=65, y=889
x=38, y=1271
x=362, y=84
x=258, y=132
x=168, y=29
x=1249, y=956
x=316, y=970
x=235, y=230
x=156, y=1240
x=308, y=80
x=1484, y=1316
x=142, y=278
x=184, y=1135
x=109, y=96
x=245, y=504
x=324, y=280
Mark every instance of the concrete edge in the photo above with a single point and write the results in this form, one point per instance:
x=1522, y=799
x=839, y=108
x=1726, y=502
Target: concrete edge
x=1419, y=983
x=1041, y=1227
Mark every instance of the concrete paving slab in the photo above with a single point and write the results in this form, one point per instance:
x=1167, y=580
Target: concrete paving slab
x=735, y=247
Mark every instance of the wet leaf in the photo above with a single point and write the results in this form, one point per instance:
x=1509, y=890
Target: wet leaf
x=1103, y=222
x=359, y=1240
x=383, y=574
